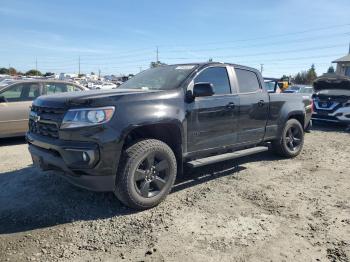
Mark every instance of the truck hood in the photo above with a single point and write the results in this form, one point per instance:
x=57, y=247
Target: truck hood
x=79, y=98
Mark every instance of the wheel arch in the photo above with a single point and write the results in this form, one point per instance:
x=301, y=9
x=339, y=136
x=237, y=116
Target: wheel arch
x=294, y=114
x=169, y=132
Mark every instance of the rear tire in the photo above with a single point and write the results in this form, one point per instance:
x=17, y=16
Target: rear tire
x=291, y=141
x=147, y=174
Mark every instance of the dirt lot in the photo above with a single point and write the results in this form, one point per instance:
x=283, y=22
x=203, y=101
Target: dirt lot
x=260, y=208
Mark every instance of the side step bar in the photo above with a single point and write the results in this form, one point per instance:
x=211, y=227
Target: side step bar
x=227, y=156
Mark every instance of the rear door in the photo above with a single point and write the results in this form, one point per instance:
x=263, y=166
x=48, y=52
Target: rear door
x=253, y=107
x=14, y=112
x=212, y=120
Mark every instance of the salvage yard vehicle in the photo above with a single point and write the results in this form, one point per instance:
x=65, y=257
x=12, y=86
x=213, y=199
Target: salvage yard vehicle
x=332, y=99
x=134, y=140
x=16, y=99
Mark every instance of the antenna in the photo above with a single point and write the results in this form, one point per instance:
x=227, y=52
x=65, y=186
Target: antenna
x=261, y=68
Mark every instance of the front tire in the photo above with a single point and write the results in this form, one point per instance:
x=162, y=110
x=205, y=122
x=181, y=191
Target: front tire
x=291, y=141
x=147, y=174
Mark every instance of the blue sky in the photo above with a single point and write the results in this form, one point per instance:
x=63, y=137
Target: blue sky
x=121, y=36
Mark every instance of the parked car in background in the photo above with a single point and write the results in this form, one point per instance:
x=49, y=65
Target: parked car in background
x=16, y=99
x=306, y=90
x=101, y=85
x=6, y=81
x=293, y=89
x=332, y=99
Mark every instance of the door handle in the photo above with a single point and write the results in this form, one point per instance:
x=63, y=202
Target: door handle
x=261, y=103
x=230, y=105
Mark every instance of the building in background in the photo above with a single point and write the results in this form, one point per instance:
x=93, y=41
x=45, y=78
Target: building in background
x=343, y=65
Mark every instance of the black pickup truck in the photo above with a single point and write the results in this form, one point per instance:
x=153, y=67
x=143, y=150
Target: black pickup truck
x=134, y=140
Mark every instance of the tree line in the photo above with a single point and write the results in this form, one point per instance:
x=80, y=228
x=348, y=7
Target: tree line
x=305, y=77
x=13, y=72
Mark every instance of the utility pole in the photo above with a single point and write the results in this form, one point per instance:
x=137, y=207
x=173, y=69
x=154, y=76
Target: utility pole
x=36, y=66
x=261, y=68
x=99, y=73
x=79, y=66
x=140, y=68
x=157, y=58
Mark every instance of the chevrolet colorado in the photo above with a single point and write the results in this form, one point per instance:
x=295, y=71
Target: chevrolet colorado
x=134, y=140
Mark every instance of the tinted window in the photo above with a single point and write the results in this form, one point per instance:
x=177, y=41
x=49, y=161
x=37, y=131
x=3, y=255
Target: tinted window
x=22, y=92
x=216, y=76
x=247, y=80
x=72, y=88
x=54, y=88
x=13, y=94
x=347, y=71
x=33, y=91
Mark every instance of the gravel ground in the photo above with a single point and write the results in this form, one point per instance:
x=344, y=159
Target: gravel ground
x=258, y=208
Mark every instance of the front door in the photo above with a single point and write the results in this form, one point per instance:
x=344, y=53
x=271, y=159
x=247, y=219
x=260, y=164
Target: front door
x=212, y=120
x=14, y=112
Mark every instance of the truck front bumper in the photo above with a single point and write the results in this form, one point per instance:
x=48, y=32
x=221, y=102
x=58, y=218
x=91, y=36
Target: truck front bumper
x=81, y=163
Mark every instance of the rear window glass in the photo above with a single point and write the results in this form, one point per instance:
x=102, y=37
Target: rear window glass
x=247, y=80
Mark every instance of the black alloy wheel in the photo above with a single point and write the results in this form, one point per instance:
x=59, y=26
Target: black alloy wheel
x=151, y=175
x=293, y=137
x=146, y=175
x=291, y=141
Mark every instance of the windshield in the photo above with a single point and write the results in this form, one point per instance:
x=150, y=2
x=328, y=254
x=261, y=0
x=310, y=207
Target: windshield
x=159, y=78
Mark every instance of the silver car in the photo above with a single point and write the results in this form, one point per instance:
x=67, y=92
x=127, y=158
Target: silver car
x=16, y=99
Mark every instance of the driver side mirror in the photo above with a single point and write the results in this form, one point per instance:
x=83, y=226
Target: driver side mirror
x=3, y=99
x=203, y=89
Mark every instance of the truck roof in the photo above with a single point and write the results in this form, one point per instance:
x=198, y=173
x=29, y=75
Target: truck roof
x=203, y=64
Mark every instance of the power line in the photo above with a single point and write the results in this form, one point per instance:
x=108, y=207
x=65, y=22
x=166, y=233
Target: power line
x=125, y=52
x=58, y=60
x=301, y=40
x=263, y=53
x=275, y=35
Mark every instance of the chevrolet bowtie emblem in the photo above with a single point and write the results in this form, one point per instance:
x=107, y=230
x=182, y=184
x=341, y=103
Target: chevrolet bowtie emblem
x=34, y=116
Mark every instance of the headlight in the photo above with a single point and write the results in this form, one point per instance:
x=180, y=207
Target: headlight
x=87, y=117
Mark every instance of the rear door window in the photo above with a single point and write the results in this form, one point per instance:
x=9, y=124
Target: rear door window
x=72, y=88
x=33, y=90
x=54, y=88
x=247, y=80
